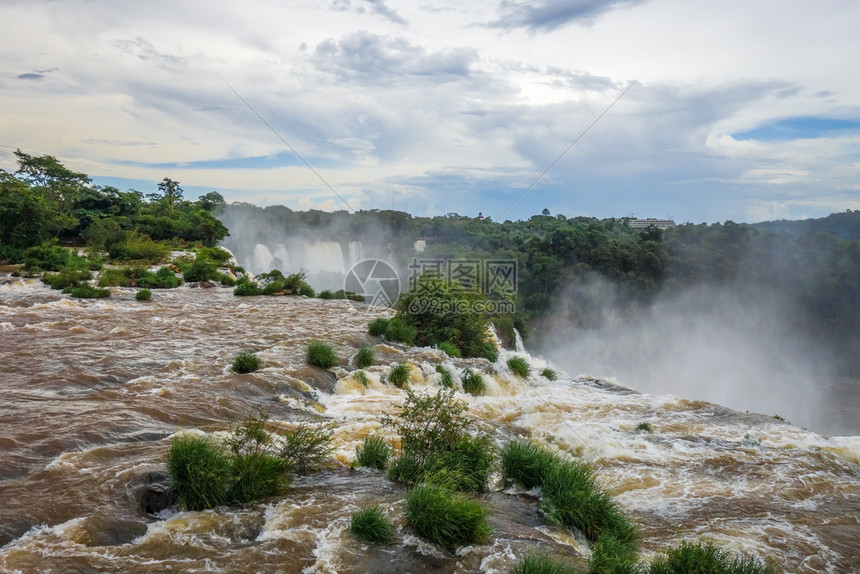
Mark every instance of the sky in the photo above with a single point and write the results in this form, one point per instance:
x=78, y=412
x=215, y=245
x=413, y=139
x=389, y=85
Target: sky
x=701, y=111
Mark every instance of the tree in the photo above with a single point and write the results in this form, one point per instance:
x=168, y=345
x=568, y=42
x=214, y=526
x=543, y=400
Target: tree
x=545, y=211
x=170, y=191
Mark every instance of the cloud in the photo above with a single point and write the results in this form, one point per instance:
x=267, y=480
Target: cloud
x=548, y=15
x=30, y=76
x=367, y=55
x=377, y=7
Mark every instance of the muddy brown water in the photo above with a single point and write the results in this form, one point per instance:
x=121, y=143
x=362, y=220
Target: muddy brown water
x=92, y=391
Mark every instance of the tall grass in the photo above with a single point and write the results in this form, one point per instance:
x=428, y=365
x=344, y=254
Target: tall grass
x=473, y=383
x=258, y=475
x=446, y=518
x=364, y=357
x=373, y=452
x=542, y=565
x=519, y=367
x=549, y=374
x=450, y=349
x=200, y=471
x=378, y=326
x=246, y=363
x=525, y=463
x=399, y=375
x=466, y=467
x=706, y=558
x=370, y=524
x=143, y=295
x=446, y=379
x=307, y=448
x=321, y=354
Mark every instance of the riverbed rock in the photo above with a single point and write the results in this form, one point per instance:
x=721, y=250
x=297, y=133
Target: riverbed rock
x=155, y=493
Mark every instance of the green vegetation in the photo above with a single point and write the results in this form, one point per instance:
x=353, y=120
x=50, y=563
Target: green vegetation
x=364, y=357
x=307, y=448
x=441, y=313
x=399, y=375
x=473, y=383
x=542, y=565
x=361, y=377
x=164, y=278
x=370, y=524
x=525, y=463
x=465, y=467
x=549, y=374
x=450, y=349
x=644, y=426
x=519, y=367
x=67, y=278
x=143, y=295
x=706, y=558
x=86, y=291
x=246, y=288
x=321, y=354
x=373, y=453
x=399, y=331
x=257, y=472
x=200, y=471
x=446, y=379
x=246, y=363
x=446, y=518
x=378, y=326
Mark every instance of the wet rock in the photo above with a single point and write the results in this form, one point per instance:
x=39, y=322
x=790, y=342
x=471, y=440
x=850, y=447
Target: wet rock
x=202, y=285
x=319, y=379
x=110, y=531
x=156, y=493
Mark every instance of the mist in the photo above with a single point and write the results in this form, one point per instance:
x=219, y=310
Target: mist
x=731, y=345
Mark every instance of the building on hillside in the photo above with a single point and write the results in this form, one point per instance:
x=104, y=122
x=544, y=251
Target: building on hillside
x=634, y=223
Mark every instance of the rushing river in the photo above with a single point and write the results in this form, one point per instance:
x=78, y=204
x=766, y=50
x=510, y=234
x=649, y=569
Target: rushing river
x=92, y=391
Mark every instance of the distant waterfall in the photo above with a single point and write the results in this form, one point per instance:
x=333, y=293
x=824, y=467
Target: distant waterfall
x=518, y=343
x=262, y=259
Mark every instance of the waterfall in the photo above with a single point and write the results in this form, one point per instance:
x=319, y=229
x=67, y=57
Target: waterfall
x=262, y=259
x=518, y=342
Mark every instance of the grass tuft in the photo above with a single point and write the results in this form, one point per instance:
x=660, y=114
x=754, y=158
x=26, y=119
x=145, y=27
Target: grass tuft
x=542, y=565
x=321, y=354
x=525, y=463
x=201, y=472
x=473, y=383
x=447, y=380
x=88, y=292
x=370, y=524
x=705, y=557
x=143, y=295
x=399, y=375
x=364, y=357
x=644, y=426
x=549, y=374
x=373, y=452
x=446, y=518
x=246, y=363
x=519, y=367
x=378, y=326
x=259, y=475
x=361, y=377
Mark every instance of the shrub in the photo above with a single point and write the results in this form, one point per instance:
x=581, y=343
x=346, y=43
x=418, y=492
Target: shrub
x=246, y=288
x=321, y=354
x=226, y=280
x=428, y=424
x=370, y=524
x=68, y=277
x=115, y=277
x=164, y=278
x=361, y=377
x=373, y=452
x=138, y=248
x=52, y=258
x=220, y=256
x=549, y=374
x=400, y=331
x=307, y=448
x=202, y=269
x=542, y=565
x=450, y=349
x=143, y=295
x=519, y=367
x=306, y=290
x=446, y=380
x=246, y=363
x=473, y=383
x=525, y=463
x=88, y=292
x=704, y=557
x=399, y=375
x=364, y=357
x=326, y=294
x=644, y=426
x=447, y=519
x=200, y=471
x=378, y=326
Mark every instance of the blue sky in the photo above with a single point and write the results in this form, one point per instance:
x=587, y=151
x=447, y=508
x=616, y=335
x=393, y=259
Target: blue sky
x=736, y=110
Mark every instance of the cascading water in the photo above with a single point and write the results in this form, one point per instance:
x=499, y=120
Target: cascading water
x=94, y=390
